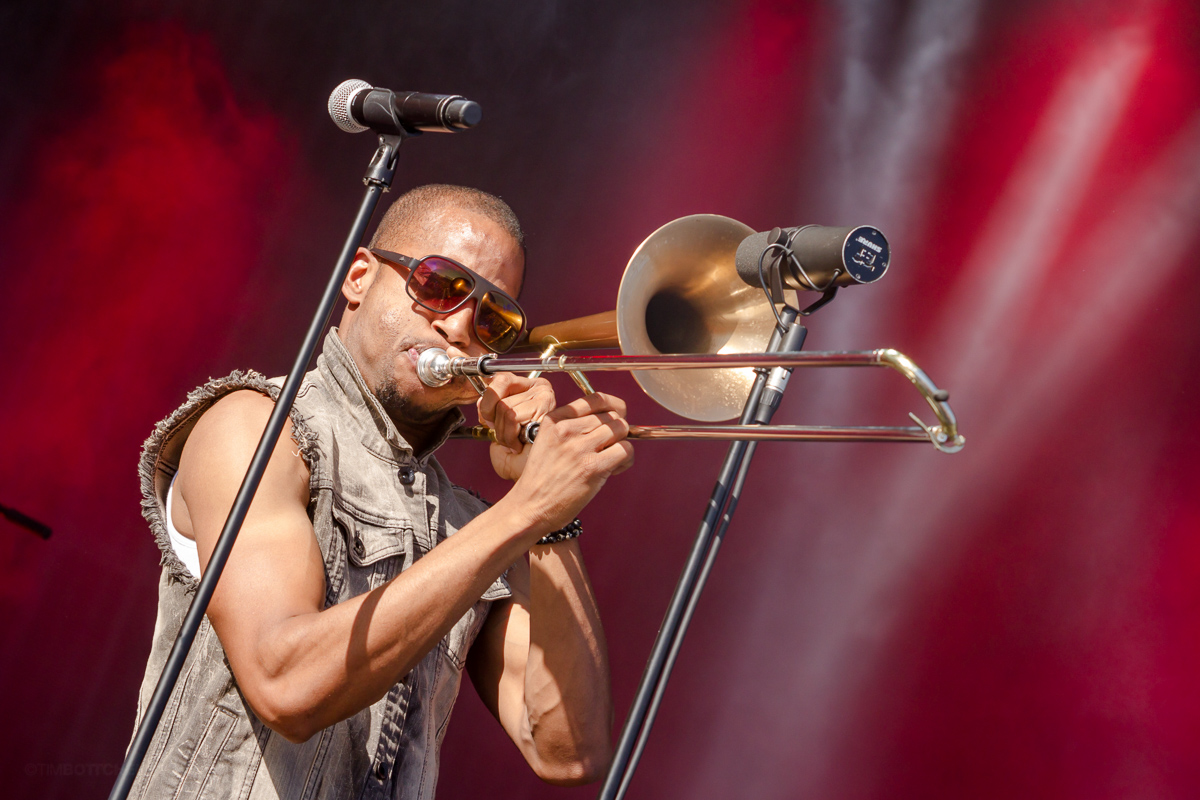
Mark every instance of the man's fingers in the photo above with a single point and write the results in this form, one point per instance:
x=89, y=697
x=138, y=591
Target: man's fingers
x=507, y=385
x=600, y=429
x=504, y=424
x=622, y=452
x=512, y=401
x=609, y=430
x=486, y=405
x=590, y=404
x=509, y=419
x=532, y=405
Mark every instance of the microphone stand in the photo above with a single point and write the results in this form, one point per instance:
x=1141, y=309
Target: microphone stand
x=722, y=504
x=378, y=180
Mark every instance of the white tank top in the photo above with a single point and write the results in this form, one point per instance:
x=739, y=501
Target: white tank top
x=184, y=547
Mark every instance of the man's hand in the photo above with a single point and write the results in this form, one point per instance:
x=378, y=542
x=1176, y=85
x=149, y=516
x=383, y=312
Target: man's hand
x=509, y=402
x=578, y=447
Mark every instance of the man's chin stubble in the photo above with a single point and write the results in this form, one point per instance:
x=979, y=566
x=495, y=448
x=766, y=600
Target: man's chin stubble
x=400, y=407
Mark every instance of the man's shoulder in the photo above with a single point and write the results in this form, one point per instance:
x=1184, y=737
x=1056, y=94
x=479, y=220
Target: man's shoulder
x=238, y=381
x=226, y=436
x=244, y=401
x=240, y=414
x=170, y=433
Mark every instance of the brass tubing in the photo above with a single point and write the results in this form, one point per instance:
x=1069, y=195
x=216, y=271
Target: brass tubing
x=783, y=433
x=488, y=365
x=946, y=436
x=749, y=433
x=597, y=331
x=437, y=366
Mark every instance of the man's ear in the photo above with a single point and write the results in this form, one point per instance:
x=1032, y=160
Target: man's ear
x=363, y=270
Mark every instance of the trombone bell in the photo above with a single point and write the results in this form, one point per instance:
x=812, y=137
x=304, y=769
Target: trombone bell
x=681, y=294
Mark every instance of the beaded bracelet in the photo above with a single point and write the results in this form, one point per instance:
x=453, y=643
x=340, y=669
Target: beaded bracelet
x=569, y=531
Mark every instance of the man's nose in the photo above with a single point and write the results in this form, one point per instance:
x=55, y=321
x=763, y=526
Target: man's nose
x=456, y=326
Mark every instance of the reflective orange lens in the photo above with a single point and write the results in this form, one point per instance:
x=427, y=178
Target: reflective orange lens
x=440, y=285
x=498, y=321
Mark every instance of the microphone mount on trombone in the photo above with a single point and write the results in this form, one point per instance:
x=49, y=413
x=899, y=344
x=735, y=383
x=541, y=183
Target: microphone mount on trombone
x=812, y=258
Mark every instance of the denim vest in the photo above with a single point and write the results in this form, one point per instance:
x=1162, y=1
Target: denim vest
x=376, y=507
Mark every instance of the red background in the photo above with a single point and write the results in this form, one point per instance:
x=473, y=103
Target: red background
x=1019, y=619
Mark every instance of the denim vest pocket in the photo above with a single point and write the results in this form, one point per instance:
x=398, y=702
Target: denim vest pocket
x=377, y=550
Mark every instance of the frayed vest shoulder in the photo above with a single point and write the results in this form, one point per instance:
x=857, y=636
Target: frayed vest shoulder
x=376, y=507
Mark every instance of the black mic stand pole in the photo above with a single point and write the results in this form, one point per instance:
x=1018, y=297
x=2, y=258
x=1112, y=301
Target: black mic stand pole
x=696, y=570
x=378, y=180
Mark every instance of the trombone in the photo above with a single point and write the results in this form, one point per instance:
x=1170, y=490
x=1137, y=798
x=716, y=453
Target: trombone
x=695, y=337
x=692, y=332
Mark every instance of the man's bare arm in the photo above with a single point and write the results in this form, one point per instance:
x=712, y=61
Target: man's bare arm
x=302, y=668
x=541, y=666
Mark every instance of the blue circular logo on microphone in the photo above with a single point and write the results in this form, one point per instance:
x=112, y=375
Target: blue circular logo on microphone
x=866, y=254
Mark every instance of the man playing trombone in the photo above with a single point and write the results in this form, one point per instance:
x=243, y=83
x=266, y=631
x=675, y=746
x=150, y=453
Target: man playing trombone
x=363, y=581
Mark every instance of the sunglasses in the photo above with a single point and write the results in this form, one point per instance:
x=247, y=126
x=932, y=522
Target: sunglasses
x=443, y=285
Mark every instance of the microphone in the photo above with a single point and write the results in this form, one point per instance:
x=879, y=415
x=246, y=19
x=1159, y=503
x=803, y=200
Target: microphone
x=827, y=257
x=357, y=106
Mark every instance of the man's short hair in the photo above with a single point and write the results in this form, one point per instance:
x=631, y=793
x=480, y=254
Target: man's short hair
x=414, y=212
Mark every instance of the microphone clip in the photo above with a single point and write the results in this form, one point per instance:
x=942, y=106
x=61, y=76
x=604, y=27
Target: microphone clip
x=780, y=252
x=382, y=168
x=825, y=299
x=769, y=269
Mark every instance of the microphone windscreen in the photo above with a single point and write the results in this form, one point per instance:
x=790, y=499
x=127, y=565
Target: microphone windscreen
x=748, y=254
x=339, y=105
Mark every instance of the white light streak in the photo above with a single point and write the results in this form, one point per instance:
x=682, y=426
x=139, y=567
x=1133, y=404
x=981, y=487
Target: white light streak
x=991, y=342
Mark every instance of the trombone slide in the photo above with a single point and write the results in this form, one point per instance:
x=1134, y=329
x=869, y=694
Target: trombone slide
x=436, y=368
x=754, y=433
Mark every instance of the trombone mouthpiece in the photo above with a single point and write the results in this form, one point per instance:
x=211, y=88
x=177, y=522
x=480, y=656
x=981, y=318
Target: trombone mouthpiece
x=433, y=367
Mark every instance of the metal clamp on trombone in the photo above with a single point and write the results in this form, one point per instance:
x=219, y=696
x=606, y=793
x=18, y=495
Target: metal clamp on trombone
x=701, y=294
